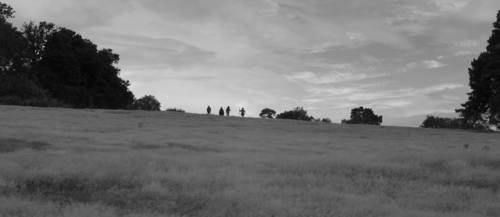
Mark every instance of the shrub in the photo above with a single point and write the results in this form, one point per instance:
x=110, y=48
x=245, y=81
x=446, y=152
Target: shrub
x=298, y=113
x=363, y=116
x=267, y=113
x=326, y=120
x=175, y=110
x=147, y=102
x=449, y=123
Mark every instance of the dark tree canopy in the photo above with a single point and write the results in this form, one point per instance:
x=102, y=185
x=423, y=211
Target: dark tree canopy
x=267, y=113
x=482, y=108
x=147, y=102
x=56, y=63
x=6, y=11
x=36, y=38
x=363, y=116
x=12, y=45
x=298, y=113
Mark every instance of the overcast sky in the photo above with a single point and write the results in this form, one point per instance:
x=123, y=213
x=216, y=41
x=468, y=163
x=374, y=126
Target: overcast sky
x=402, y=58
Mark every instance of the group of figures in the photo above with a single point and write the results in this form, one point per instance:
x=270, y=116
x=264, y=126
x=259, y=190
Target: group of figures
x=228, y=109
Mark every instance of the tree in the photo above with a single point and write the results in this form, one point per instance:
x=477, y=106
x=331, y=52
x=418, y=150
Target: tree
x=298, y=113
x=13, y=48
x=267, y=113
x=16, y=87
x=363, y=116
x=74, y=71
x=6, y=11
x=147, y=102
x=482, y=109
x=57, y=63
x=36, y=37
x=326, y=120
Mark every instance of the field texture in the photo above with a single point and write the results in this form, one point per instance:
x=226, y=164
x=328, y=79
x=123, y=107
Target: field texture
x=64, y=162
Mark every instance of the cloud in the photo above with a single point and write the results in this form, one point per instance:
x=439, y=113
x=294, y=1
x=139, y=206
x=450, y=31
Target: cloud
x=467, y=43
x=451, y=6
x=448, y=93
x=331, y=77
x=462, y=53
x=432, y=64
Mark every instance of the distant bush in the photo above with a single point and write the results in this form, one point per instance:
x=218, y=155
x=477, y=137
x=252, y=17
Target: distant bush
x=298, y=113
x=267, y=113
x=363, y=116
x=175, y=110
x=450, y=123
x=147, y=102
x=326, y=120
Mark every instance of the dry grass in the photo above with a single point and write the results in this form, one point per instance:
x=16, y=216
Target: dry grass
x=63, y=162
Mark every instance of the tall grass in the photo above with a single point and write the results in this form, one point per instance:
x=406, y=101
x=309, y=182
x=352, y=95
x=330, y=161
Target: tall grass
x=62, y=162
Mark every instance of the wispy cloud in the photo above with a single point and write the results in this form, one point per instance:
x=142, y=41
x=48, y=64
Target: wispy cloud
x=432, y=64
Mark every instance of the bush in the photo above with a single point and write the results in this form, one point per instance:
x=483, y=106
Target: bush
x=147, y=102
x=175, y=110
x=326, y=120
x=363, y=116
x=449, y=123
x=21, y=91
x=298, y=113
x=267, y=113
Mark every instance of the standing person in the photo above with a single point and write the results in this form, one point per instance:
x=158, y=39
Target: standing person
x=209, y=110
x=228, y=110
x=221, y=111
x=242, y=112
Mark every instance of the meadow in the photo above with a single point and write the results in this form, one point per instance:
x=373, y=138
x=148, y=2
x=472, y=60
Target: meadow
x=66, y=162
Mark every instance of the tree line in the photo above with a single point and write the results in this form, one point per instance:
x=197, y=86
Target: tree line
x=358, y=116
x=49, y=66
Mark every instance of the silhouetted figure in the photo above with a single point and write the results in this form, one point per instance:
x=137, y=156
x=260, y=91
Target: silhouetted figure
x=221, y=111
x=228, y=110
x=209, y=110
x=242, y=111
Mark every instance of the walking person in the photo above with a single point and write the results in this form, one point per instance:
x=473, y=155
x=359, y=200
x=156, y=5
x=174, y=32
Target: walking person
x=228, y=110
x=209, y=109
x=221, y=111
x=242, y=111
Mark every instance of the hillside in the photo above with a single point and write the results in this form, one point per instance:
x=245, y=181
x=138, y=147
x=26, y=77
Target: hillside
x=65, y=162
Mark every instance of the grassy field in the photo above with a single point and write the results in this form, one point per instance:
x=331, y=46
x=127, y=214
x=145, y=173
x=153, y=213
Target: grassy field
x=64, y=162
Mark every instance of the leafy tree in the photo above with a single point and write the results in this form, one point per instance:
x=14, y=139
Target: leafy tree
x=147, y=102
x=16, y=88
x=6, y=11
x=326, y=120
x=12, y=46
x=363, y=116
x=111, y=91
x=482, y=109
x=59, y=63
x=298, y=113
x=69, y=68
x=267, y=113
x=74, y=71
x=36, y=37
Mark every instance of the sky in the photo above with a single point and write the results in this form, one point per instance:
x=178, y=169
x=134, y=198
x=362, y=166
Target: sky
x=405, y=59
